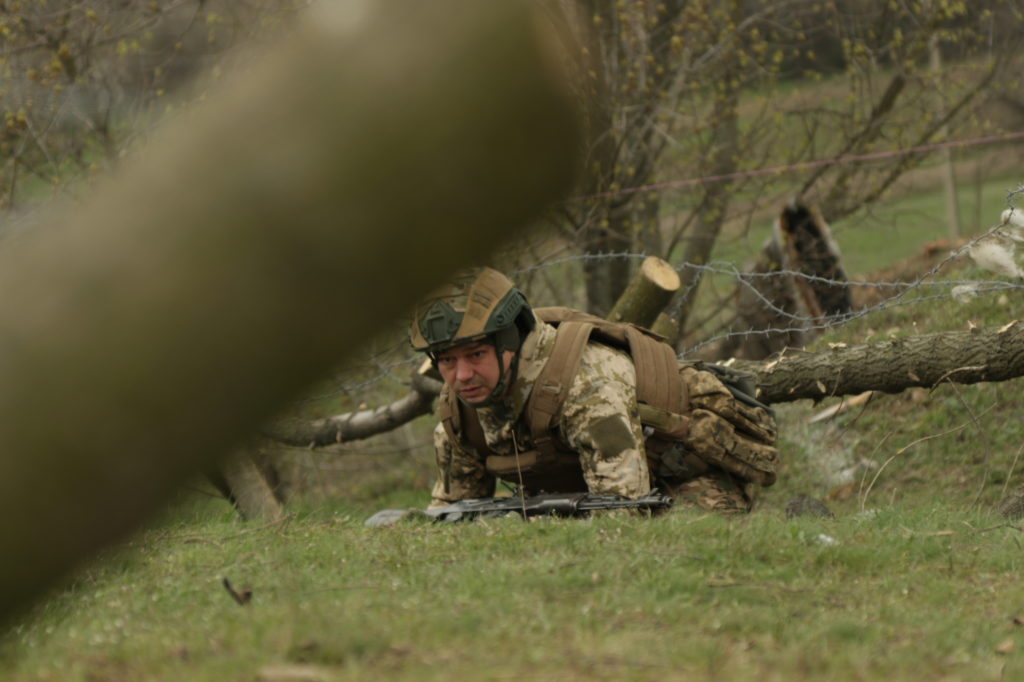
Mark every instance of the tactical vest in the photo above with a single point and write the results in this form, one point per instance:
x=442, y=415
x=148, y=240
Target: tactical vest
x=663, y=399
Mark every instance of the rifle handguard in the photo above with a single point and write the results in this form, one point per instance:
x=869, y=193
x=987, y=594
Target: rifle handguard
x=568, y=505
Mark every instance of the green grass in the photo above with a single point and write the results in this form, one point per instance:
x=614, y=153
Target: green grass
x=892, y=230
x=685, y=596
x=899, y=229
x=916, y=579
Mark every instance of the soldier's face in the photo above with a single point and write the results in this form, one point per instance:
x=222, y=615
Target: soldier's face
x=472, y=370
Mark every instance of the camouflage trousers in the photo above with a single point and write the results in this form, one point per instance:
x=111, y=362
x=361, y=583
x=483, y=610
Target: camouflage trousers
x=714, y=490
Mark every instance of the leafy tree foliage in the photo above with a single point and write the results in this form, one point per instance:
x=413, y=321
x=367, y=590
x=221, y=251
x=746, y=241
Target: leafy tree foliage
x=79, y=80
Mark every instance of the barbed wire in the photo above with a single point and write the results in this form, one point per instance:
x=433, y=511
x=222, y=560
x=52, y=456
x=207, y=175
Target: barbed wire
x=808, y=323
x=924, y=287
x=579, y=258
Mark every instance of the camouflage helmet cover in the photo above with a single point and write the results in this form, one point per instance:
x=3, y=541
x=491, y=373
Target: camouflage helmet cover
x=476, y=304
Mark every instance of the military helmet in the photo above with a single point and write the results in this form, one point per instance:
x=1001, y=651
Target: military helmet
x=478, y=304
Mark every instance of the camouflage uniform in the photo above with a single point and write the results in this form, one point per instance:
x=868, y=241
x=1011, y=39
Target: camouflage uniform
x=589, y=422
x=600, y=421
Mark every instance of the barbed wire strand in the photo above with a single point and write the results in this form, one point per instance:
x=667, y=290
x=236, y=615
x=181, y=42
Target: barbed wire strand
x=395, y=357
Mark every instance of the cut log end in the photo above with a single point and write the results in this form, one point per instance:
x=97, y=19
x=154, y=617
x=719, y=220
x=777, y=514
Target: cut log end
x=660, y=273
x=648, y=293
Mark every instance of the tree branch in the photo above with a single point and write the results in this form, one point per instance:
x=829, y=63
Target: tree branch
x=926, y=360
x=358, y=425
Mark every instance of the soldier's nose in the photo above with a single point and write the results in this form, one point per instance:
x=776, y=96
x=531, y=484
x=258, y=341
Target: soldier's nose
x=463, y=370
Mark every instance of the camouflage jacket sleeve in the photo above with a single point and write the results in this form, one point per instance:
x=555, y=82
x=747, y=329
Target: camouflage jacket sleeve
x=460, y=474
x=601, y=421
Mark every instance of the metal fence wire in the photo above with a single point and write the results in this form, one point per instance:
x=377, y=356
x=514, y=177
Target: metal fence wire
x=389, y=362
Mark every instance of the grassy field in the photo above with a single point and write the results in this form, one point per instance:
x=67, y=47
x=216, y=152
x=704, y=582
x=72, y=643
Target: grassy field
x=917, y=578
x=892, y=592
x=893, y=229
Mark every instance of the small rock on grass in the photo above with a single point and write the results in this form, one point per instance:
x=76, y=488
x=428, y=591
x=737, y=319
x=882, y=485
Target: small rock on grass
x=807, y=506
x=1012, y=506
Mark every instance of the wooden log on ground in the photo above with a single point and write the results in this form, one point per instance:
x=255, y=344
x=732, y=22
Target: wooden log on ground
x=968, y=357
x=666, y=326
x=648, y=293
x=976, y=356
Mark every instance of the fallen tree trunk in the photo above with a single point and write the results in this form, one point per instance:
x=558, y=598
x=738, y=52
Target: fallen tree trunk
x=969, y=357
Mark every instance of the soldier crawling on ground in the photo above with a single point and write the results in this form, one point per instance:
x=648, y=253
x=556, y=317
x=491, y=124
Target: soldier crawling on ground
x=553, y=400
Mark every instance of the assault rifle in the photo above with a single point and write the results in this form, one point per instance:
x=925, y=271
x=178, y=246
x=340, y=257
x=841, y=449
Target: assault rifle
x=563, y=505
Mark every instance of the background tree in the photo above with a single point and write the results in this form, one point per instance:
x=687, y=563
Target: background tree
x=703, y=91
x=82, y=80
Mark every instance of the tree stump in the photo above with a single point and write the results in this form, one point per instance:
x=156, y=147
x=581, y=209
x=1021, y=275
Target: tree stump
x=250, y=492
x=667, y=326
x=647, y=294
x=796, y=284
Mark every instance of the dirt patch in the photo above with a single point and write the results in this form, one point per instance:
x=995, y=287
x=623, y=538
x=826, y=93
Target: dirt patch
x=924, y=262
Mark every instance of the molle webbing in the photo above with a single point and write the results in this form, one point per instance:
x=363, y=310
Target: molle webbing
x=534, y=468
x=657, y=370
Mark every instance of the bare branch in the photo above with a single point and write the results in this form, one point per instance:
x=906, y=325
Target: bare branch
x=360, y=424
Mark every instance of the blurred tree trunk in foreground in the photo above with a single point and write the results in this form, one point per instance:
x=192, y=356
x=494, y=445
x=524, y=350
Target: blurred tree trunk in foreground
x=151, y=330
x=248, y=489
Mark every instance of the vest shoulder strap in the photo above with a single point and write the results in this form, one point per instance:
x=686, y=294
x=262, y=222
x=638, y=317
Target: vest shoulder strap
x=658, y=382
x=461, y=423
x=552, y=384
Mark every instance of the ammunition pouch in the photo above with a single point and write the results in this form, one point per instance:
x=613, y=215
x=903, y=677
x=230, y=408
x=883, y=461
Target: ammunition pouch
x=734, y=434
